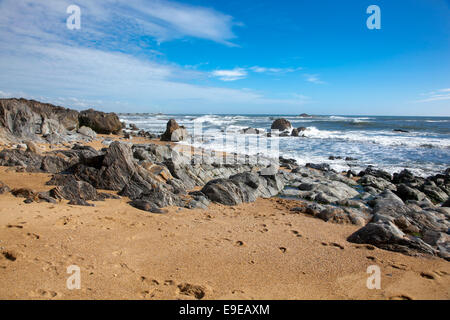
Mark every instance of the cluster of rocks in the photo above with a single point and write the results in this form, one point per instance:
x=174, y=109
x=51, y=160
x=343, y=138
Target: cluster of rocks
x=152, y=176
x=284, y=127
x=400, y=212
x=28, y=120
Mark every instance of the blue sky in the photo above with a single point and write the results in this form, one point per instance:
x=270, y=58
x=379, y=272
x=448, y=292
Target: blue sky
x=205, y=56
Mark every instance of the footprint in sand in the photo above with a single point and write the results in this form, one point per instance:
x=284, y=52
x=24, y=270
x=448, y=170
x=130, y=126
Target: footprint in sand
x=296, y=233
x=401, y=297
x=333, y=244
x=192, y=290
x=282, y=249
x=427, y=275
x=41, y=293
x=9, y=255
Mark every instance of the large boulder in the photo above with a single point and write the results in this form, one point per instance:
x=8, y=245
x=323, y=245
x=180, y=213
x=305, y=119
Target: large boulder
x=386, y=235
x=281, y=124
x=242, y=187
x=100, y=122
x=174, y=132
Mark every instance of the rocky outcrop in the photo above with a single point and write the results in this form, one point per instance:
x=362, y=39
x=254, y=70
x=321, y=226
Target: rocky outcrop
x=100, y=122
x=22, y=119
x=281, y=124
x=174, y=132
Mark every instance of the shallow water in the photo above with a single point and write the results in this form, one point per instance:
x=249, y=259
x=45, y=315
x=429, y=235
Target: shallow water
x=424, y=149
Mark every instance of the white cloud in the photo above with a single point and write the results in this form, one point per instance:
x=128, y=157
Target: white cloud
x=437, y=95
x=230, y=75
x=122, y=19
x=97, y=65
x=258, y=69
x=314, y=78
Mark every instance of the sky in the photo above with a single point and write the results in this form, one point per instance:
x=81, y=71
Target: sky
x=234, y=56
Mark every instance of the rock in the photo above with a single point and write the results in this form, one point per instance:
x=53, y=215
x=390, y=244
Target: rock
x=23, y=193
x=304, y=115
x=386, y=235
x=408, y=193
x=174, y=132
x=22, y=119
x=88, y=132
x=4, y=188
x=146, y=206
x=242, y=187
x=400, y=130
x=436, y=194
x=179, y=134
x=408, y=178
x=100, y=122
x=32, y=147
x=281, y=124
x=300, y=129
x=370, y=170
x=446, y=203
x=74, y=190
x=80, y=202
x=294, y=132
x=321, y=166
x=223, y=191
x=250, y=131
x=375, y=182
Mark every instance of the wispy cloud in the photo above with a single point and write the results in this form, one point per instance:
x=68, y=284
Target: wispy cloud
x=160, y=19
x=105, y=65
x=258, y=69
x=437, y=95
x=230, y=75
x=241, y=73
x=314, y=78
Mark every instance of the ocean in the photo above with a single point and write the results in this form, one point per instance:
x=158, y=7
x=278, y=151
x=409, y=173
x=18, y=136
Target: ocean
x=423, y=145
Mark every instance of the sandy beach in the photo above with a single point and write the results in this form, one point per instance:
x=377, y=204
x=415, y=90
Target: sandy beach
x=259, y=250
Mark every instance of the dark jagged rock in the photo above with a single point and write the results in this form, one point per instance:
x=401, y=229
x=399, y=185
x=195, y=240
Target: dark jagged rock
x=21, y=158
x=321, y=166
x=436, y=194
x=223, y=191
x=376, y=182
x=370, y=170
x=295, y=132
x=281, y=124
x=23, y=193
x=386, y=235
x=242, y=187
x=408, y=178
x=408, y=193
x=446, y=203
x=74, y=190
x=100, y=122
x=174, y=132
